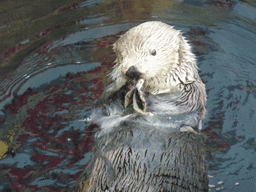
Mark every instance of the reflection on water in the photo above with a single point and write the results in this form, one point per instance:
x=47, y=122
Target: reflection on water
x=57, y=78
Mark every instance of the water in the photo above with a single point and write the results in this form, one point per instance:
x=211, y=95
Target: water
x=48, y=87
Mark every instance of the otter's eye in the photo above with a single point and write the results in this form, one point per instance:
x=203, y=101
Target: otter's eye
x=153, y=52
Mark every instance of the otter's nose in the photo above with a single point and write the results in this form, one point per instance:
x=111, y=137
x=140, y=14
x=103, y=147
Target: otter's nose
x=133, y=72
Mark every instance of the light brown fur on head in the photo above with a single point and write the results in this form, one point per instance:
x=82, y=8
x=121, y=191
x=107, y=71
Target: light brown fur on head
x=172, y=55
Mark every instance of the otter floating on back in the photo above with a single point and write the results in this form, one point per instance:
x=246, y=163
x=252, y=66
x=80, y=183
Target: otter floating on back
x=151, y=114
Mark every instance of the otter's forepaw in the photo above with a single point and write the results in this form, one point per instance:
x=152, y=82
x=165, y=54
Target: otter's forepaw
x=128, y=97
x=188, y=129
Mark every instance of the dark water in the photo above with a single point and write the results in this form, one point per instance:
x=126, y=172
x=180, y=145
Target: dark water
x=52, y=76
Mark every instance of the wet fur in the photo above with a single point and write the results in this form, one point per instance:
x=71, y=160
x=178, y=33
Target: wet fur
x=136, y=152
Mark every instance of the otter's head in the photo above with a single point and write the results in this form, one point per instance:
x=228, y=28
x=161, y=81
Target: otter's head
x=155, y=52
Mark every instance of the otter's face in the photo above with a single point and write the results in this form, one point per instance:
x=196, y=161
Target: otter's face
x=153, y=51
x=149, y=48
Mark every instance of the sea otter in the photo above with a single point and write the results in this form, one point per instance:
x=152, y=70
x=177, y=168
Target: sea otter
x=149, y=124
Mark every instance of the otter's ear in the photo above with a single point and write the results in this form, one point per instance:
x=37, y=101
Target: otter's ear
x=114, y=47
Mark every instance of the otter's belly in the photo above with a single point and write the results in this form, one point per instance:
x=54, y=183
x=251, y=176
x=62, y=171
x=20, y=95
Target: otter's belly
x=147, y=159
